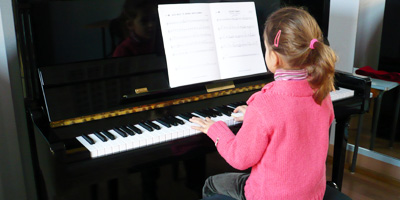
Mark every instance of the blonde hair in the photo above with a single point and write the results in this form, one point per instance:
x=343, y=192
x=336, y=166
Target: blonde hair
x=298, y=28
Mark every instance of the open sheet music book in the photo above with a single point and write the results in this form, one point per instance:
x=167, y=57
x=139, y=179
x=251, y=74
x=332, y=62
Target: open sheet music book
x=210, y=41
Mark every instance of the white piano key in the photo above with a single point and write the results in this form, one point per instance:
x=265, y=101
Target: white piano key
x=165, y=131
x=119, y=140
x=114, y=146
x=154, y=135
x=144, y=139
x=92, y=149
x=182, y=131
x=238, y=114
x=103, y=148
x=138, y=140
x=342, y=93
x=189, y=125
x=146, y=135
x=134, y=141
x=147, y=138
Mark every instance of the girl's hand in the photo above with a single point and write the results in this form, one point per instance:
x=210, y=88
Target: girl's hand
x=241, y=109
x=204, y=124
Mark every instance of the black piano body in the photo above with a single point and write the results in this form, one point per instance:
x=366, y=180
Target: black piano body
x=92, y=96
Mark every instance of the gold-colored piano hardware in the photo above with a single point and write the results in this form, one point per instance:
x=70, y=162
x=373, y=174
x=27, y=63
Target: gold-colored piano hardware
x=76, y=150
x=142, y=108
x=220, y=86
x=141, y=90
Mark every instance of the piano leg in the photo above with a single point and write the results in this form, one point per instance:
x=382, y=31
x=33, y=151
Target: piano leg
x=113, y=189
x=196, y=173
x=149, y=183
x=94, y=191
x=356, y=143
x=339, y=153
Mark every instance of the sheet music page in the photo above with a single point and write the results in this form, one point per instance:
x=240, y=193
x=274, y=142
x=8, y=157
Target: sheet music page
x=189, y=43
x=237, y=39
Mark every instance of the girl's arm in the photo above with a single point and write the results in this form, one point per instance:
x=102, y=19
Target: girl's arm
x=248, y=146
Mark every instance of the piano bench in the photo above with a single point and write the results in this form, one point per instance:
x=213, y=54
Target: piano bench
x=331, y=193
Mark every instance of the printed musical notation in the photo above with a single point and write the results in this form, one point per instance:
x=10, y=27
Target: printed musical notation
x=205, y=42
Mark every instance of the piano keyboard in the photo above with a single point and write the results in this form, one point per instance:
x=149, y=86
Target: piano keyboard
x=129, y=137
x=341, y=93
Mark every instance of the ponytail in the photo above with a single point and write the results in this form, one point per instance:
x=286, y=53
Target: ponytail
x=321, y=70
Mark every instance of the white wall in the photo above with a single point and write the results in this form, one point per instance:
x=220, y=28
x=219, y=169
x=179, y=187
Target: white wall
x=343, y=18
x=16, y=172
x=369, y=32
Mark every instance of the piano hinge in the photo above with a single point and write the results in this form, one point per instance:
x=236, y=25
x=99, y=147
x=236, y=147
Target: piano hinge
x=141, y=90
x=220, y=86
x=72, y=151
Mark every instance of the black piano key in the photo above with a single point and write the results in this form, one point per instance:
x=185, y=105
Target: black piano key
x=176, y=120
x=224, y=110
x=88, y=139
x=127, y=130
x=169, y=121
x=217, y=112
x=229, y=108
x=133, y=128
x=233, y=105
x=186, y=117
x=201, y=113
x=108, y=134
x=120, y=132
x=145, y=126
x=240, y=103
x=153, y=125
x=101, y=136
x=164, y=122
x=214, y=112
x=172, y=120
x=208, y=112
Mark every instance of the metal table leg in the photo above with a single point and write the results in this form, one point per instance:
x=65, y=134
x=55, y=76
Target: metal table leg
x=395, y=119
x=375, y=118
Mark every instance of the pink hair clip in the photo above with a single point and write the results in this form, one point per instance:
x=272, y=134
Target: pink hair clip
x=312, y=43
x=276, y=40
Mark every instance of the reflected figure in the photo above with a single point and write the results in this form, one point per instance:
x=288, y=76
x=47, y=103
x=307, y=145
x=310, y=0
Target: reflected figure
x=137, y=27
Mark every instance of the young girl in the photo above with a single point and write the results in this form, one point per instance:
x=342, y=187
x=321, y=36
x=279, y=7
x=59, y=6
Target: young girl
x=285, y=130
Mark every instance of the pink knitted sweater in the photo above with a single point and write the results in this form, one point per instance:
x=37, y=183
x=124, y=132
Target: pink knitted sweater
x=284, y=139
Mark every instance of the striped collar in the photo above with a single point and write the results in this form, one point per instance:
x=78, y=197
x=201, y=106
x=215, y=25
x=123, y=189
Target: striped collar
x=286, y=75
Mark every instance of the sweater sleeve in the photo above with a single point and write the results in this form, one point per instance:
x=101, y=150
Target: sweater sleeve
x=246, y=148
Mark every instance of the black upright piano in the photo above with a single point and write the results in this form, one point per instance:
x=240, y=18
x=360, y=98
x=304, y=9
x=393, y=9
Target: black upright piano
x=76, y=101
x=76, y=105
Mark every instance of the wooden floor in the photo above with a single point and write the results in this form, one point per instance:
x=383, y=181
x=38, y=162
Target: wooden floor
x=366, y=185
x=381, y=143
